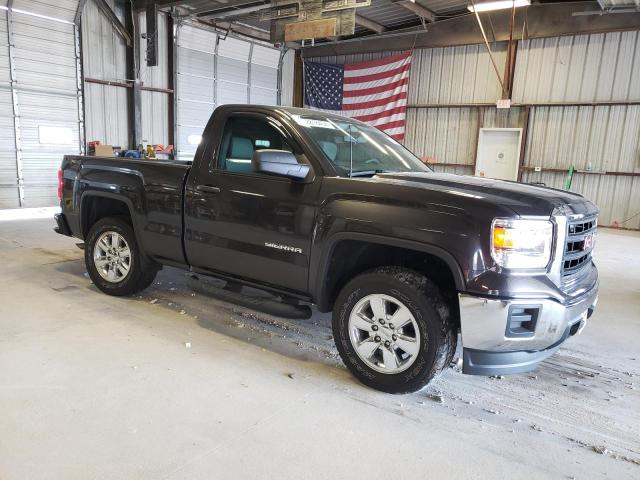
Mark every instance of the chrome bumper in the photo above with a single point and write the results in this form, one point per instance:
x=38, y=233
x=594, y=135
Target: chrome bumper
x=490, y=347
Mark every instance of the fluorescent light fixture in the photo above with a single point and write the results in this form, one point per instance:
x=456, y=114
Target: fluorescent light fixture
x=498, y=5
x=39, y=15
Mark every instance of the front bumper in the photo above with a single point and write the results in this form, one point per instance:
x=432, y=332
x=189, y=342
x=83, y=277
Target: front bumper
x=491, y=346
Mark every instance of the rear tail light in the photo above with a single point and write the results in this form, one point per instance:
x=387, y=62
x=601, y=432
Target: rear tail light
x=60, y=184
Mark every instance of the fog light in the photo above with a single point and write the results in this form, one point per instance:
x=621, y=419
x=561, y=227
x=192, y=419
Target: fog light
x=522, y=320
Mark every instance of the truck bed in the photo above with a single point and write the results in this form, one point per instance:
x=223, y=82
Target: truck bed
x=152, y=190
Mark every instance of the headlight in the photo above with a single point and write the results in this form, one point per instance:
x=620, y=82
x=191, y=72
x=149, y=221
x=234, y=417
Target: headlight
x=521, y=243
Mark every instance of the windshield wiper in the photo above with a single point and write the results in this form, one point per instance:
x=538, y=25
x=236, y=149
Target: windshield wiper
x=365, y=173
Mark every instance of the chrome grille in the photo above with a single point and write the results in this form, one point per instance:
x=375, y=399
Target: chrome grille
x=579, y=245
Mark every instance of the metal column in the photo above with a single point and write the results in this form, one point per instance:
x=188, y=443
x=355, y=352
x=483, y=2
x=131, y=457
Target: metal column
x=279, y=81
x=80, y=88
x=14, y=98
x=175, y=29
x=249, y=73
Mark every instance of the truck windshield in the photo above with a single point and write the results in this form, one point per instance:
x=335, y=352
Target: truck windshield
x=356, y=149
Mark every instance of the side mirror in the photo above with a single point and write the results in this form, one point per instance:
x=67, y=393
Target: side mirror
x=279, y=163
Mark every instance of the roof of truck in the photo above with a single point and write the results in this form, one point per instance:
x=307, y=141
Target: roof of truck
x=288, y=110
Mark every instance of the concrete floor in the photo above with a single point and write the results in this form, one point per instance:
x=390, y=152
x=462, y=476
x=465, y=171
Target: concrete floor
x=172, y=384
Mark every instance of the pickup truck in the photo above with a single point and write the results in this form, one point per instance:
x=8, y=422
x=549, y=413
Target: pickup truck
x=328, y=211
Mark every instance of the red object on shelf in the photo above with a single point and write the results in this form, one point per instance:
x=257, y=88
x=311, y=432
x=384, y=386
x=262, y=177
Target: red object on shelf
x=162, y=149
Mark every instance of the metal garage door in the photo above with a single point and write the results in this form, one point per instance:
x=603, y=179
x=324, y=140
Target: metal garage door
x=215, y=70
x=46, y=96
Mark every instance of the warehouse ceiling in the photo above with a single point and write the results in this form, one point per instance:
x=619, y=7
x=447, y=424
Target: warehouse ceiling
x=445, y=19
x=380, y=16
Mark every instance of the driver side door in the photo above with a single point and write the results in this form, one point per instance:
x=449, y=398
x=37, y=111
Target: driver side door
x=247, y=224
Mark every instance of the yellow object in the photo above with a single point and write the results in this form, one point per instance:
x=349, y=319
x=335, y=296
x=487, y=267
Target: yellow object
x=502, y=237
x=151, y=153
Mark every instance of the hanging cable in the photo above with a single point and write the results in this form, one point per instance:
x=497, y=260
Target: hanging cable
x=486, y=42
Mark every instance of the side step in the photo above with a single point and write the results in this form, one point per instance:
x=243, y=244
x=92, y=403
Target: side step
x=231, y=293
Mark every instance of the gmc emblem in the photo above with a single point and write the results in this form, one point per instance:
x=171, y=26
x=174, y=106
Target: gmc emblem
x=588, y=242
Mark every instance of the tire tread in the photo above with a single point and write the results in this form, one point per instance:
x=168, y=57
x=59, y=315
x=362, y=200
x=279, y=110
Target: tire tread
x=144, y=269
x=425, y=288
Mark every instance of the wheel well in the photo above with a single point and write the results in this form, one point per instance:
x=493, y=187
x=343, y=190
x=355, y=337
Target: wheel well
x=352, y=257
x=95, y=208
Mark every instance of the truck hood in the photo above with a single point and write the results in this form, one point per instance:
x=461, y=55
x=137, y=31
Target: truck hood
x=522, y=198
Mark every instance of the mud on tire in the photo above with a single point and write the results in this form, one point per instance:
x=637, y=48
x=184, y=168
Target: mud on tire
x=435, y=327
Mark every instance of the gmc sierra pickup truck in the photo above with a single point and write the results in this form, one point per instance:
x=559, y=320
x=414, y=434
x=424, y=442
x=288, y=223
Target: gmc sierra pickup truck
x=332, y=212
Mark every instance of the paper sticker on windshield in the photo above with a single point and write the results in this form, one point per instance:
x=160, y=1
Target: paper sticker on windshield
x=313, y=122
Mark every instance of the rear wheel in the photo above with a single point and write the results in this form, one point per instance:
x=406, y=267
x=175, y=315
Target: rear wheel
x=393, y=330
x=114, y=260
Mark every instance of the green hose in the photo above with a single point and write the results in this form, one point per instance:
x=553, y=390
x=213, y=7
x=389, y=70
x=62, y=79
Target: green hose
x=567, y=184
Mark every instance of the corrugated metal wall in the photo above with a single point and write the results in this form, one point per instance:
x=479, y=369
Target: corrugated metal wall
x=104, y=58
x=447, y=137
x=601, y=141
x=443, y=122
x=214, y=70
x=455, y=75
x=617, y=197
x=155, y=105
x=598, y=138
x=441, y=76
x=574, y=69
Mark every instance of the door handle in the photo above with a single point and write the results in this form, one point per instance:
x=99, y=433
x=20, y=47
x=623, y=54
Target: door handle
x=208, y=189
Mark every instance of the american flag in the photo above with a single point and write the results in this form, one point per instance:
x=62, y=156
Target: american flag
x=373, y=92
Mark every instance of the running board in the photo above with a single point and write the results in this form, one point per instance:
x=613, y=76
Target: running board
x=231, y=294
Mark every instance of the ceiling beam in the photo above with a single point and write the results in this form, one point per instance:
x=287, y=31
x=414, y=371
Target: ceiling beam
x=419, y=10
x=235, y=13
x=238, y=13
x=115, y=21
x=139, y=5
x=238, y=5
x=238, y=28
x=370, y=24
x=540, y=19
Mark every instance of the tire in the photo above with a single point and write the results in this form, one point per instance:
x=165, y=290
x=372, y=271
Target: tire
x=141, y=270
x=431, y=329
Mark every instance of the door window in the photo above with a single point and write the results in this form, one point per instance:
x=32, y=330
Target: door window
x=244, y=135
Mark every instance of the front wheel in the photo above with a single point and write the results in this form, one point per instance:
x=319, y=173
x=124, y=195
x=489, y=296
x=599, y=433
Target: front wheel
x=114, y=260
x=393, y=330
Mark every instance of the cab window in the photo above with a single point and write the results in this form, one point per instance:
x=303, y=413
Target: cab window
x=244, y=135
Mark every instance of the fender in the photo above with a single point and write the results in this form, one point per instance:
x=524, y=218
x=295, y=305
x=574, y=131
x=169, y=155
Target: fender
x=111, y=196
x=86, y=189
x=319, y=286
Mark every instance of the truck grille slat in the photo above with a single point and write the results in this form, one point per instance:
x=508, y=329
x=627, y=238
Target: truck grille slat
x=579, y=245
